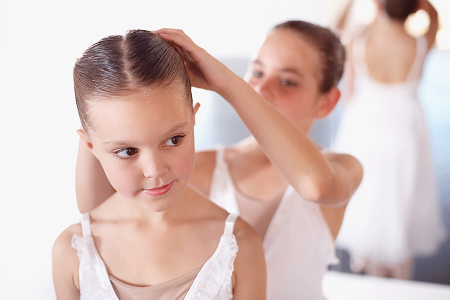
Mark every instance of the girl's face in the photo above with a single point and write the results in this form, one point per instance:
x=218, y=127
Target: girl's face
x=286, y=73
x=145, y=143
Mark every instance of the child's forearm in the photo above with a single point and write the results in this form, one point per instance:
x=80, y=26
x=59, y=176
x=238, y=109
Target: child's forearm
x=91, y=185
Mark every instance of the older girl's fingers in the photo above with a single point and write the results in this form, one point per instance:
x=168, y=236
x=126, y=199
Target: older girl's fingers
x=178, y=37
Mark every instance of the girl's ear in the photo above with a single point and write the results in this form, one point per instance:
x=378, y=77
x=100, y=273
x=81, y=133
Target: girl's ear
x=327, y=103
x=85, y=138
x=196, y=107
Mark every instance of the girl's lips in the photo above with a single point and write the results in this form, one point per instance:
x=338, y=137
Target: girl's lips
x=158, y=191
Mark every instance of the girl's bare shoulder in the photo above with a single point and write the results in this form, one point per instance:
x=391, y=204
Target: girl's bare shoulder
x=63, y=243
x=246, y=236
x=65, y=261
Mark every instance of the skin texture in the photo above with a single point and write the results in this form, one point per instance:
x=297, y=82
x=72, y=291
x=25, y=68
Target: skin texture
x=139, y=236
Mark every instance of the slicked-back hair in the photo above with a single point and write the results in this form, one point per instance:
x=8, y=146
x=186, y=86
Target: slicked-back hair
x=331, y=51
x=118, y=65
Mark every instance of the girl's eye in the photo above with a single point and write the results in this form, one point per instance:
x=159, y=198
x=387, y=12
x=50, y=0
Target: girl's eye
x=126, y=153
x=287, y=82
x=256, y=73
x=174, y=141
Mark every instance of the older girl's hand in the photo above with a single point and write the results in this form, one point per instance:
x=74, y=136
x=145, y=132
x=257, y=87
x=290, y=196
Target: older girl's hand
x=205, y=71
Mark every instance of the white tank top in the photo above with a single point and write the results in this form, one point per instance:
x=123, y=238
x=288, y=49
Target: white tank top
x=298, y=244
x=212, y=282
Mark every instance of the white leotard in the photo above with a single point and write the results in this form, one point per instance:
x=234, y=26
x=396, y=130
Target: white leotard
x=212, y=282
x=298, y=244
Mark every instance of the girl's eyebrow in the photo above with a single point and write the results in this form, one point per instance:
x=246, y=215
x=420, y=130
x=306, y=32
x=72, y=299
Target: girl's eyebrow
x=177, y=127
x=285, y=70
x=126, y=143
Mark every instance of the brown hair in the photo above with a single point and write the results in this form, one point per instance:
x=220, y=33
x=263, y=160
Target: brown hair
x=332, y=52
x=399, y=9
x=118, y=65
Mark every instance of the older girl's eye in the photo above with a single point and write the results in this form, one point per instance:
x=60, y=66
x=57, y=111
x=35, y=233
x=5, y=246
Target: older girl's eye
x=125, y=153
x=174, y=141
x=287, y=82
x=256, y=73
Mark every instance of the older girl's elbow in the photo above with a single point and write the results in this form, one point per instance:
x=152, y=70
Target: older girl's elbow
x=320, y=189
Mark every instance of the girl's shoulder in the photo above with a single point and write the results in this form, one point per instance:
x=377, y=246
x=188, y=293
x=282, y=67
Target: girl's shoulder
x=65, y=258
x=245, y=233
x=249, y=265
x=63, y=242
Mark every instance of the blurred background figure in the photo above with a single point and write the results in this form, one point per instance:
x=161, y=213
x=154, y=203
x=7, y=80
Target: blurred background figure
x=394, y=216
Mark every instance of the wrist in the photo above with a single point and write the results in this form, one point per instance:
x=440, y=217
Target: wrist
x=230, y=85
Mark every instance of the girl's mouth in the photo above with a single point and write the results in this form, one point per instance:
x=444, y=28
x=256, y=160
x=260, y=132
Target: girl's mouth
x=159, y=191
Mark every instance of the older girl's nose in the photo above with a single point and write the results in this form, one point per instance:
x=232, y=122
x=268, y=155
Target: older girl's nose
x=265, y=89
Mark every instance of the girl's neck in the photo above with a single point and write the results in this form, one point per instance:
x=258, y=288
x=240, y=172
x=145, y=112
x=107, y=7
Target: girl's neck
x=124, y=208
x=384, y=24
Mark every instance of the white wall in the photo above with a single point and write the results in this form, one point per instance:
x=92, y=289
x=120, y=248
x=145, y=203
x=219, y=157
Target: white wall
x=39, y=41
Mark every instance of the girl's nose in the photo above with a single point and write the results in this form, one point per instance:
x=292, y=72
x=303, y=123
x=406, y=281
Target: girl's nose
x=265, y=89
x=154, y=167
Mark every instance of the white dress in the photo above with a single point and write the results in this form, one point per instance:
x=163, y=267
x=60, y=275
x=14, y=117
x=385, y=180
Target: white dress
x=298, y=244
x=394, y=214
x=213, y=282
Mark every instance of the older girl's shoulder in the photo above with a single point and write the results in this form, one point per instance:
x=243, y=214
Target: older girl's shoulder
x=205, y=162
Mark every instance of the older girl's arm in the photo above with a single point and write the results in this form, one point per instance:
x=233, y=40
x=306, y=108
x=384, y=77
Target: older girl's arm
x=300, y=161
x=91, y=185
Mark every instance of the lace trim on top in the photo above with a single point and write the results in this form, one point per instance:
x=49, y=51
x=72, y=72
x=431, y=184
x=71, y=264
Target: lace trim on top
x=213, y=281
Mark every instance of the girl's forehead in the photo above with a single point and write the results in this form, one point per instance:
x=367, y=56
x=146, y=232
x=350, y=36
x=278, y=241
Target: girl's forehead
x=287, y=49
x=141, y=113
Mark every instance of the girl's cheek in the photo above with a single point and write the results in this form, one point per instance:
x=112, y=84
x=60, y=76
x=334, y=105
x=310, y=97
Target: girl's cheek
x=121, y=178
x=185, y=163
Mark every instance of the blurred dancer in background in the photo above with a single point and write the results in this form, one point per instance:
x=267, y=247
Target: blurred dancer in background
x=394, y=215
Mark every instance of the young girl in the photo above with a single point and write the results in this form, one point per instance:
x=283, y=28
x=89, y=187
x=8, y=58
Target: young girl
x=293, y=193
x=155, y=238
x=394, y=215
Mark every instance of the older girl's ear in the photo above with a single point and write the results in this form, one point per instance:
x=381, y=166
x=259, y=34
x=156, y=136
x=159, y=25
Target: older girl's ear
x=327, y=102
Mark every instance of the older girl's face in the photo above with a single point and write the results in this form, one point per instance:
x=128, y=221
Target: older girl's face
x=286, y=73
x=145, y=143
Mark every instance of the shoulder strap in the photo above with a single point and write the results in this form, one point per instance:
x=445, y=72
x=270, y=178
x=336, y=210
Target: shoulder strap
x=229, y=223
x=86, y=225
x=220, y=154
